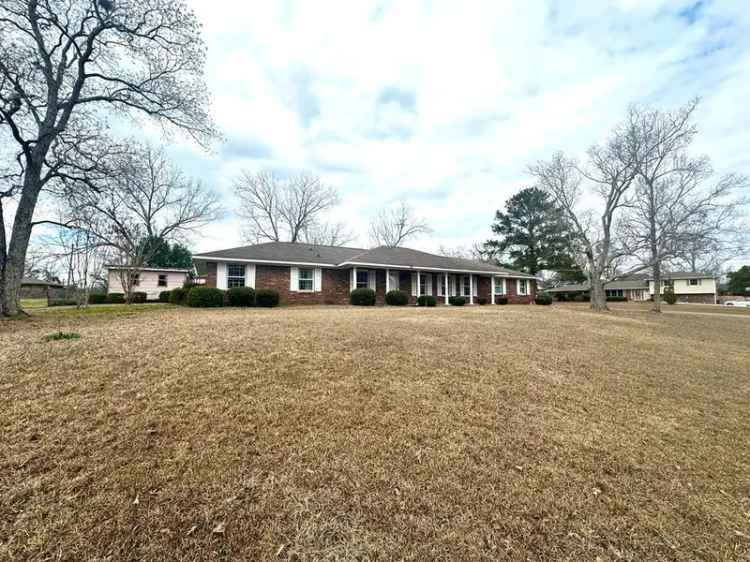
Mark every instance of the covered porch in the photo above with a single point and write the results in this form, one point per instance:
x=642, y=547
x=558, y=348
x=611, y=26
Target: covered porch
x=476, y=288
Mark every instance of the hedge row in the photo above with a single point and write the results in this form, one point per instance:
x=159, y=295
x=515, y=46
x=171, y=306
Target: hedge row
x=543, y=299
x=208, y=297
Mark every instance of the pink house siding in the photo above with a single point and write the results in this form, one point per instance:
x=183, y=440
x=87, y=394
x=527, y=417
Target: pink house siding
x=148, y=282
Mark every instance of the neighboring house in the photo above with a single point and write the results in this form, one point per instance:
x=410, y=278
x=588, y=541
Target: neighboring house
x=689, y=287
x=149, y=280
x=632, y=288
x=36, y=288
x=312, y=274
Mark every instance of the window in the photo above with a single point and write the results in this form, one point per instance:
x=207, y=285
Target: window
x=667, y=283
x=135, y=279
x=422, y=284
x=615, y=293
x=363, y=278
x=235, y=275
x=499, y=286
x=305, y=280
x=467, y=285
x=695, y=282
x=162, y=280
x=523, y=287
x=441, y=285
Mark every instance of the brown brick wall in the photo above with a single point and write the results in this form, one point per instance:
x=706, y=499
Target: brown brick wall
x=705, y=298
x=512, y=293
x=336, y=284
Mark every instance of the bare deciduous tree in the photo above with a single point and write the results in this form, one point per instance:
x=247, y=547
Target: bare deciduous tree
x=282, y=209
x=610, y=176
x=146, y=199
x=393, y=227
x=328, y=234
x=673, y=211
x=63, y=63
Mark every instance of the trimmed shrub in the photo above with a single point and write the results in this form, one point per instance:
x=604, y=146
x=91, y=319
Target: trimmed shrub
x=97, y=298
x=501, y=300
x=205, y=297
x=177, y=296
x=543, y=299
x=267, y=298
x=164, y=296
x=362, y=297
x=669, y=296
x=396, y=298
x=426, y=300
x=241, y=296
x=457, y=301
x=139, y=297
x=617, y=299
x=561, y=297
x=482, y=300
x=115, y=298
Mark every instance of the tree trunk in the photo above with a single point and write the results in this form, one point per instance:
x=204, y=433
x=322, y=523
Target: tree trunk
x=657, y=287
x=10, y=288
x=598, y=295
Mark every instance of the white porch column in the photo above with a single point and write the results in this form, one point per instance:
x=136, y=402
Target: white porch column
x=387, y=280
x=492, y=289
x=471, y=288
x=447, y=292
x=419, y=282
x=353, y=284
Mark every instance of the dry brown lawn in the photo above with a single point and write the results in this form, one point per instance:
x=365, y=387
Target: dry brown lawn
x=486, y=433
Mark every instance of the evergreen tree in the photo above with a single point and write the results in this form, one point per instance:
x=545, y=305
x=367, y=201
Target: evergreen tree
x=163, y=254
x=739, y=281
x=532, y=236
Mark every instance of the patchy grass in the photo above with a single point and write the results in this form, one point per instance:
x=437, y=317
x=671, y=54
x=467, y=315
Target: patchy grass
x=111, y=310
x=59, y=336
x=484, y=433
x=30, y=304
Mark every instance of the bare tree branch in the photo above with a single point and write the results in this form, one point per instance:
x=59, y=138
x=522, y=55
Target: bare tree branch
x=393, y=227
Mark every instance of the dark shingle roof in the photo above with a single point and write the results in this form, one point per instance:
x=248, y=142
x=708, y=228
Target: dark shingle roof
x=31, y=281
x=286, y=252
x=685, y=275
x=406, y=257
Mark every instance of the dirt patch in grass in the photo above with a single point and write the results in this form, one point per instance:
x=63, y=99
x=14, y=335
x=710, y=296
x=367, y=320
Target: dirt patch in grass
x=484, y=433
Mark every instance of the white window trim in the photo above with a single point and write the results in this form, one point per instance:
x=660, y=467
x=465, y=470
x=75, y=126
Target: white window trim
x=312, y=279
x=368, y=283
x=317, y=280
x=244, y=276
x=518, y=288
x=500, y=284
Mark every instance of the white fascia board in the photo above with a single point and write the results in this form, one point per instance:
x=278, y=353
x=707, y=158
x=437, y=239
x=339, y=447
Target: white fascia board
x=440, y=269
x=270, y=262
x=165, y=269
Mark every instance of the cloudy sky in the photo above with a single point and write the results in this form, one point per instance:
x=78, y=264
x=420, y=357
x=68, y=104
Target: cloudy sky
x=444, y=104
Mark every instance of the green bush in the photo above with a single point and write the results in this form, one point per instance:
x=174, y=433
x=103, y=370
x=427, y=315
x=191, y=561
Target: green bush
x=267, y=298
x=501, y=300
x=426, y=300
x=457, y=301
x=617, y=299
x=205, y=297
x=97, y=298
x=177, y=296
x=543, y=299
x=561, y=297
x=164, y=296
x=241, y=296
x=362, y=297
x=482, y=300
x=396, y=298
x=63, y=302
x=669, y=296
x=139, y=297
x=115, y=298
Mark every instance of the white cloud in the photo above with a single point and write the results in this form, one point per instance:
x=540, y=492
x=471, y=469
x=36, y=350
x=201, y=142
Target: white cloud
x=445, y=104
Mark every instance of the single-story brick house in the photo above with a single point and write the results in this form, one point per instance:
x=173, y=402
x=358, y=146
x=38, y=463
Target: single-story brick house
x=149, y=280
x=314, y=274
